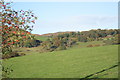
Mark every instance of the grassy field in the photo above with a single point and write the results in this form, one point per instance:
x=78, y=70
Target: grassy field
x=72, y=63
x=41, y=38
x=85, y=44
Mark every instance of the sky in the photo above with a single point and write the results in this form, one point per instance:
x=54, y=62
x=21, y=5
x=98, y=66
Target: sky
x=71, y=16
x=64, y=0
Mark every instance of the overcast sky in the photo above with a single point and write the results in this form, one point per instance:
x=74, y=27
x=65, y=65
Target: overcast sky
x=71, y=16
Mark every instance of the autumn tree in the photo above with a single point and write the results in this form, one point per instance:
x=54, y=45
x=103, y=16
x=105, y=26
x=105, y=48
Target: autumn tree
x=16, y=26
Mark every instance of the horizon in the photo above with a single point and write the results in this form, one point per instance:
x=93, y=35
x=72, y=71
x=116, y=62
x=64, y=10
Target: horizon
x=71, y=16
x=73, y=31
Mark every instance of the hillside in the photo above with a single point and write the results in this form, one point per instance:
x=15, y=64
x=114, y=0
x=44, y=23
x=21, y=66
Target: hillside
x=54, y=34
x=60, y=33
x=72, y=63
x=87, y=54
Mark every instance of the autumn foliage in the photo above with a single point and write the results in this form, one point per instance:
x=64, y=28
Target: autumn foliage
x=16, y=26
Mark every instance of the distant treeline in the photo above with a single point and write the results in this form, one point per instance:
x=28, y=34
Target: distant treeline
x=64, y=40
x=91, y=35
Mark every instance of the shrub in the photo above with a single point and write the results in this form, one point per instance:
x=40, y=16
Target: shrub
x=62, y=47
x=90, y=45
x=96, y=45
x=12, y=54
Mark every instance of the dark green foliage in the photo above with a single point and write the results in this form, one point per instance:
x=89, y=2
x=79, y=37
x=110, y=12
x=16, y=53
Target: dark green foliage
x=62, y=47
x=27, y=44
x=6, y=50
x=31, y=43
x=12, y=54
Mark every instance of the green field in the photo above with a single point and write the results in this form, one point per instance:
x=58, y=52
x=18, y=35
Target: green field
x=72, y=63
x=41, y=38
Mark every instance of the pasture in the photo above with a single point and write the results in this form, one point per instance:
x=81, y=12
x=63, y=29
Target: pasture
x=42, y=38
x=74, y=62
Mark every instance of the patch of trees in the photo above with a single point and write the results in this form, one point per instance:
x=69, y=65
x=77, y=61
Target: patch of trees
x=92, y=35
x=65, y=40
x=58, y=43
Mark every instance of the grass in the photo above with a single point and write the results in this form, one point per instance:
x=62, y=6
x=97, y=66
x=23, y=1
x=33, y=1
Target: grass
x=85, y=44
x=112, y=73
x=41, y=38
x=72, y=63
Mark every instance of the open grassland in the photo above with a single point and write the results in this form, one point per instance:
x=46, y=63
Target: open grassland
x=42, y=38
x=85, y=44
x=72, y=63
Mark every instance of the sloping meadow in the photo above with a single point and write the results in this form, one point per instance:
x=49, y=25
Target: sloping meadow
x=71, y=63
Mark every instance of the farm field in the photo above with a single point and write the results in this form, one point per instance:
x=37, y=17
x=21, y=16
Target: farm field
x=74, y=62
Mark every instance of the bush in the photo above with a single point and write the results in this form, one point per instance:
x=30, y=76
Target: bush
x=12, y=54
x=96, y=45
x=32, y=43
x=90, y=45
x=6, y=50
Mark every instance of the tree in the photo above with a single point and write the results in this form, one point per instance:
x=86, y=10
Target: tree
x=15, y=26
